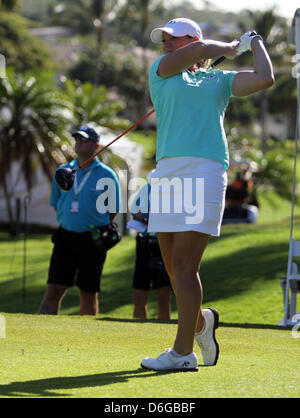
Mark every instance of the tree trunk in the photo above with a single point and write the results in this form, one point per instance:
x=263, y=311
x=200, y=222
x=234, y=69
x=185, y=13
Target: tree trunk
x=144, y=21
x=9, y=208
x=143, y=33
x=98, y=13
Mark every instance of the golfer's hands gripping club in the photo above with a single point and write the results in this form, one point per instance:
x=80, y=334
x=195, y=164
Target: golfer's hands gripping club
x=246, y=40
x=243, y=45
x=238, y=47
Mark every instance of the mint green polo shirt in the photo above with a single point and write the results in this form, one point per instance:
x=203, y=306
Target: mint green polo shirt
x=190, y=110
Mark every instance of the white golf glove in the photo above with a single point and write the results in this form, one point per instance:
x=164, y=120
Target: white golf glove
x=246, y=39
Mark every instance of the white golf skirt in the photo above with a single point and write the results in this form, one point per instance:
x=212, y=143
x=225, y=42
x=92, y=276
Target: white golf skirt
x=187, y=194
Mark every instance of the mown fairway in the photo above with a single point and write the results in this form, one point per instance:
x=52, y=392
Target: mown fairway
x=87, y=357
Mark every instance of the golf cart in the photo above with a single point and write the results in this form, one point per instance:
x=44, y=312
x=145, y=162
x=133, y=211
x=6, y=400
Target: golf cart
x=241, y=205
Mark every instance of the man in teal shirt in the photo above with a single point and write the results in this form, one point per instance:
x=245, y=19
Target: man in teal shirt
x=93, y=201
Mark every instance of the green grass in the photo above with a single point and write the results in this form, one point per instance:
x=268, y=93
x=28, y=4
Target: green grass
x=275, y=209
x=70, y=356
x=242, y=267
x=86, y=357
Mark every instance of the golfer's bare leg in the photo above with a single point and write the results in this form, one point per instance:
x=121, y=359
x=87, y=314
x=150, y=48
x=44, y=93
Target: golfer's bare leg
x=52, y=301
x=163, y=302
x=188, y=248
x=165, y=240
x=140, y=303
x=89, y=303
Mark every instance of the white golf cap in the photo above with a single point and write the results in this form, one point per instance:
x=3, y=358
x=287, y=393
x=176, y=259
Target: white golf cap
x=177, y=27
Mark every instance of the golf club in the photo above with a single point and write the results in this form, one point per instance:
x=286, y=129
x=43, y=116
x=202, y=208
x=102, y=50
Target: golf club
x=65, y=177
x=221, y=59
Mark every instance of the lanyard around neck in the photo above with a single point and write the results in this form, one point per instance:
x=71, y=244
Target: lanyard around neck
x=77, y=189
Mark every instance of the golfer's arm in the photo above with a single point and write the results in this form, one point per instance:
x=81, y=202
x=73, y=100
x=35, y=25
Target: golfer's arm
x=262, y=77
x=185, y=57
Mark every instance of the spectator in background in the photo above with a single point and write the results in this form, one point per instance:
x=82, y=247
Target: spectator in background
x=239, y=194
x=150, y=273
x=75, y=257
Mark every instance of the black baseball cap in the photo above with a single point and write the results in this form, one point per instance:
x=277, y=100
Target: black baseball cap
x=88, y=133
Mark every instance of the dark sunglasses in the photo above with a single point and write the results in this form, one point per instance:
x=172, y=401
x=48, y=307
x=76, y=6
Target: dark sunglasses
x=81, y=138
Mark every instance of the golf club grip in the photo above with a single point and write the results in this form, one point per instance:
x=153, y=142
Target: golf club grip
x=124, y=133
x=218, y=61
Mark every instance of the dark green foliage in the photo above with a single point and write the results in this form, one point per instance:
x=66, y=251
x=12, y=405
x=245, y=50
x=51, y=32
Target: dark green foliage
x=22, y=51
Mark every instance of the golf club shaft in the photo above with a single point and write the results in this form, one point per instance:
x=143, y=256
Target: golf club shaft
x=217, y=62
x=120, y=136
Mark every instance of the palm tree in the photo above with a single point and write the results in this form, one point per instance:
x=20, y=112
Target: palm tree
x=91, y=104
x=33, y=119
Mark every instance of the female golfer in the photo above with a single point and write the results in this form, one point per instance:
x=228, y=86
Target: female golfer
x=192, y=159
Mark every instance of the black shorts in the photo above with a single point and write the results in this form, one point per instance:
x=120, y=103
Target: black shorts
x=150, y=272
x=75, y=259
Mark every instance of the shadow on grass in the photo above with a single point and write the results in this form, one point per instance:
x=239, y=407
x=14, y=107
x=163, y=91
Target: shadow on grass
x=230, y=231
x=139, y=321
x=50, y=387
x=115, y=284
x=223, y=277
x=233, y=274
x=253, y=326
x=174, y=321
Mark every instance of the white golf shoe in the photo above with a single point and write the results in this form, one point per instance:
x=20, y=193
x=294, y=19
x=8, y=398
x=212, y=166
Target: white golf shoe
x=207, y=339
x=172, y=362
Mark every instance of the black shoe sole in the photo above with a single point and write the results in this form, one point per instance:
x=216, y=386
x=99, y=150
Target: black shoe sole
x=216, y=325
